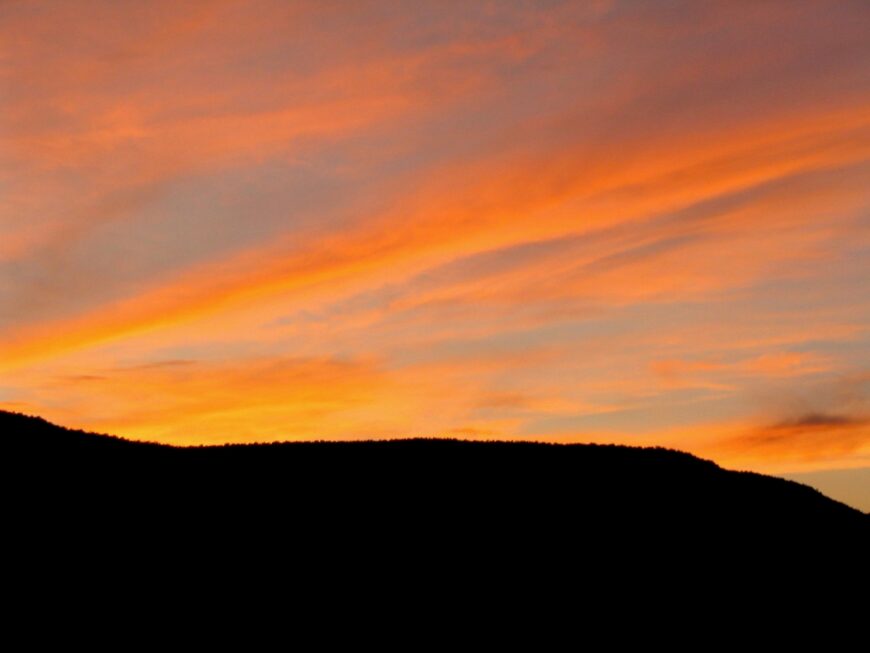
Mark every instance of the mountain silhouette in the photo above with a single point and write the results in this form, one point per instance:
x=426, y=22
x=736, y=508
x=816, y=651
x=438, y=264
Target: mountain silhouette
x=511, y=488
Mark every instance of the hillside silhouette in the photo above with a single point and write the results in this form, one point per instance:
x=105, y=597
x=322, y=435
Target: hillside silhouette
x=413, y=487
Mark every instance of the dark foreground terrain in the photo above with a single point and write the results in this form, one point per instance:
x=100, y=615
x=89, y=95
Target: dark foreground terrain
x=425, y=535
x=413, y=487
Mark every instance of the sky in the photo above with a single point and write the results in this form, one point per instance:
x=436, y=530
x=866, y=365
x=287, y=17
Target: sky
x=621, y=221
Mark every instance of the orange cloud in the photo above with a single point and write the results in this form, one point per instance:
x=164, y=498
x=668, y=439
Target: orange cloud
x=783, y=364
x=608, y=221
x=811, y=440
x=428, y=227
x=257, y=399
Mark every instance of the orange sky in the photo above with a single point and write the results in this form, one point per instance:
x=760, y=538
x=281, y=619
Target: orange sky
x=612, y=221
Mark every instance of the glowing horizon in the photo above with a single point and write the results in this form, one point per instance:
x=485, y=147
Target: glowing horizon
x=607, y=221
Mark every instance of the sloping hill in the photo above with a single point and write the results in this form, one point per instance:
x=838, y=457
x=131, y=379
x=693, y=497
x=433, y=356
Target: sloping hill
x=512, y=487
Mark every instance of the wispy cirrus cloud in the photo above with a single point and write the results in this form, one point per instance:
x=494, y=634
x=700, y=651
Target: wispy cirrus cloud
x=616, y=221
x=810, y=438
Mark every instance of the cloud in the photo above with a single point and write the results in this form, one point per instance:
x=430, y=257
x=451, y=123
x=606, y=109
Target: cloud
x=772, y=365
x=829, y=422
x=551, y=220
x=200, y=401
x=817, y=420
x=420, y=231
x=806, y=437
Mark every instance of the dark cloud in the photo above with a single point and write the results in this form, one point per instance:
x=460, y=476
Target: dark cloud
x=818, y=420
x=807, y=436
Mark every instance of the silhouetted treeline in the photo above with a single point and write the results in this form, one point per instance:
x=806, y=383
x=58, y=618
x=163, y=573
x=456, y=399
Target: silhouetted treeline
x=473, y=485
x=425, y=525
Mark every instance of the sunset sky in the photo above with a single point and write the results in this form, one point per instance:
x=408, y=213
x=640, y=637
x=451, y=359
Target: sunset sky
x=606, y=220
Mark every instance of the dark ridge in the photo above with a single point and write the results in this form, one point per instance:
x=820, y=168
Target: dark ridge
x=415, y=488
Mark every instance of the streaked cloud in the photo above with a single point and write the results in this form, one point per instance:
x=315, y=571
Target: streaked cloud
x=611, y=221
x=811, y=437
